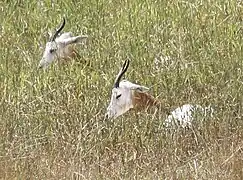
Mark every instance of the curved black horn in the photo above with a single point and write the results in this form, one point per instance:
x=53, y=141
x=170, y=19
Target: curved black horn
x=120, y=74
x=58, y=30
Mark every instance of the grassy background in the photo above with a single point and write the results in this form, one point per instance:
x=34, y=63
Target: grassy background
x=52, y=124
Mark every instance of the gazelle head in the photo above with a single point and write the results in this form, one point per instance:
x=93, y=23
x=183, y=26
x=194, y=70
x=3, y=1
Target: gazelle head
x=123, y=94
x=59, y=47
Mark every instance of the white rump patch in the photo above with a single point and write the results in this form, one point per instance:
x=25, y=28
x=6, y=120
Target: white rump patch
x=183, y=116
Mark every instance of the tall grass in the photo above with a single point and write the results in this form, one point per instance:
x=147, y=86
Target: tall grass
x=52, y=122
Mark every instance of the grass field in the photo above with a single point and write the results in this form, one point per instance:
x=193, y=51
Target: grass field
x=52, y=122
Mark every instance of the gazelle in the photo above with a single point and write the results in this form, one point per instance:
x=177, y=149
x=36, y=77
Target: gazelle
x=126, y=95
x=61, y=47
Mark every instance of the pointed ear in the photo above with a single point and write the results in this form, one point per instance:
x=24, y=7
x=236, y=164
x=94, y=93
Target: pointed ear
x=139, y=88
x=74, y=40
x=133, y=86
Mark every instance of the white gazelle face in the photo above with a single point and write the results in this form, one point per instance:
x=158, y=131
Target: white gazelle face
x=49, y=55
x=121, y=102
x=121, y=98
x=58, y=46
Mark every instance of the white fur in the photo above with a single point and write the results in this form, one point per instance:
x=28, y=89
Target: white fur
x=122, y=101
x=59, y=49
x=119, y=106
x=183, y=116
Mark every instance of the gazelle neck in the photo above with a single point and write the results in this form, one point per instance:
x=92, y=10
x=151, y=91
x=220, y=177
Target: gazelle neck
x=143, y=101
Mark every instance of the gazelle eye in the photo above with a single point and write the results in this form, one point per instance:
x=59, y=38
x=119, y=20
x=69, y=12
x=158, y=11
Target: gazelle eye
x=52, y=50
x=118, y=96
